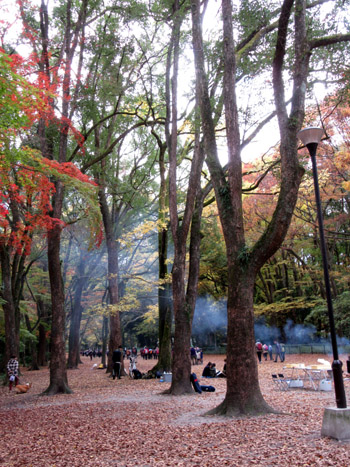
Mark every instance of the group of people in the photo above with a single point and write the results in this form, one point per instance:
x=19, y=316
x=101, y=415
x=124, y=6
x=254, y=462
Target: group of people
x=128, y=353
x=210, y=371
x=266, y=350
x=92, y=353
x=196, y=356
x=147, y=353
x=117, y=358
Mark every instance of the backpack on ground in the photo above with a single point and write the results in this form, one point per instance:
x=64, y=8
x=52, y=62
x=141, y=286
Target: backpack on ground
x=195, y=383
x=137, y=374
x=208, y=388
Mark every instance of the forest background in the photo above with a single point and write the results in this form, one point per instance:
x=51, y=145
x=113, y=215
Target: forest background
x=96, y=97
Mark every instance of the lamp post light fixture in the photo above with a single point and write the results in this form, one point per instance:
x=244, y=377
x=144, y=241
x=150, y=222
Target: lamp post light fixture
x=310, y=137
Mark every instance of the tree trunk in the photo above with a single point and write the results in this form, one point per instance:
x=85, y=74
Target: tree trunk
x=9, y=307
x=33, y=348
x=34, y=366
x=165, y=322
x=43, y=314
x=242, y=366
x=181, y=365
x=74, y=336
x=42, y=346
x=186, y=306
x=75, y=320
x=183, y=302
x=164, y=290
x=104, y=341
x=115, y=332
x=58, y=369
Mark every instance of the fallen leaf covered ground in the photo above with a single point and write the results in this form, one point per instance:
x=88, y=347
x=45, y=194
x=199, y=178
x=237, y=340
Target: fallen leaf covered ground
x=126, y=422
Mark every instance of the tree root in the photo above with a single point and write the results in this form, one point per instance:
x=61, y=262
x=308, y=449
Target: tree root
x=178, y=392
x=236, y=410
x=54, y=389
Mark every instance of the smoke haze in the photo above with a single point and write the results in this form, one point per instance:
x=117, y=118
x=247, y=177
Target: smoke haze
x=210, y=316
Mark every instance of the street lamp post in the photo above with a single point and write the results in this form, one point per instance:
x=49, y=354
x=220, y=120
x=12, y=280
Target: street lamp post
x=310, y=137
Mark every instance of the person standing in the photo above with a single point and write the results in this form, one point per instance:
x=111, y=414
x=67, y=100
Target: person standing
x=12, y=371
x=193, y=356
x=265, y=351
x=259, y=349
x=117, y=359
x=283, y=353
x=278, y=351
x=270, y=352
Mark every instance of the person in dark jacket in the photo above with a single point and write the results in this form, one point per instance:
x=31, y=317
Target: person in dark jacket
x=117, y=359
x=207, y=373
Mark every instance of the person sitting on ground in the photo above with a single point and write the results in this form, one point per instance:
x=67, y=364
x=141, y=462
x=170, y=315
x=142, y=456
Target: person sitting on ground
x=214, y=371
x=210, y=371
x=223, y=372
x=207, y=373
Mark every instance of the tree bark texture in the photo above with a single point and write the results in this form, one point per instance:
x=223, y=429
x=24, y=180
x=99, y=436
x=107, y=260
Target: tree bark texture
x=75, y=319
x=34, y=366
x=43, y=317
x=11, y=322
x=164, y=289
x=183, y=315
x=115, y=332
x=243, y=394
x=183, y=300
x=58, y=369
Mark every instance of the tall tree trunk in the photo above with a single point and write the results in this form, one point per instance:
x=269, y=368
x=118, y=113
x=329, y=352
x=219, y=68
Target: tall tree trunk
x=115, y=331
x=9, y=307
x=104, y=341
x=183, y=302
x=181, y=365
x=34, y=366
x=74, y=336
x=75, y=319
x=43, y=314
x=42, y=346
x=12, y=274
x=165, y=326
x=58, y=369
x=164, y=289
x=164, y=305
x=243, y=393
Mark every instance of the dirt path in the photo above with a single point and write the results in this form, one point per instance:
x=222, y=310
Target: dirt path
x=127, y=422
